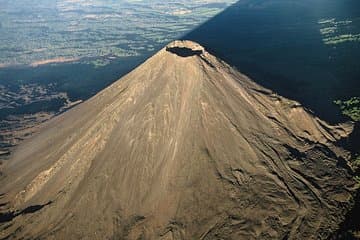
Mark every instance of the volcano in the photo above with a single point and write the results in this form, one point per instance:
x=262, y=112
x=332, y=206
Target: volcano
x=183, y=147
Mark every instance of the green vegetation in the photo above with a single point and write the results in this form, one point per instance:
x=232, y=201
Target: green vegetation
x=336, y=32
x=98, y=63
x=86, y=30
x=355, y=164
x=328, y=30
x=342, y=38
x=350, y=108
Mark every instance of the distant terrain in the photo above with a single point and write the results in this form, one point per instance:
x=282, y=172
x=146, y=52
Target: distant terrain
x=94, y=31
x=54, y=54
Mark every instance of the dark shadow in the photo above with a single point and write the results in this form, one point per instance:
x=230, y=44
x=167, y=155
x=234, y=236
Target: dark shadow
x=352, y=142
x=351, y=222
x=32, y=209
x=184, y=51
x=8, y=216
x=4, y=153
x=3, y=204
x=278, y=44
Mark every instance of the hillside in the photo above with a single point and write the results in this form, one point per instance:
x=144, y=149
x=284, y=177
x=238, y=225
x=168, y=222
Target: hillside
x=183, y=147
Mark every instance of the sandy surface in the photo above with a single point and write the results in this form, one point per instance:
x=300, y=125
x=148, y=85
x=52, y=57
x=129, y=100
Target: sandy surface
x=183, y=147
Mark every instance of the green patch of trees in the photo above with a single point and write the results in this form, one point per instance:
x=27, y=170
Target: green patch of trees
x=350, y=108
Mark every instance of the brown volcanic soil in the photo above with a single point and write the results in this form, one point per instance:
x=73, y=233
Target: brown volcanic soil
x=183, y=147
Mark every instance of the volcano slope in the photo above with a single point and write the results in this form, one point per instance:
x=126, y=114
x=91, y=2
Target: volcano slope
x=183, y=147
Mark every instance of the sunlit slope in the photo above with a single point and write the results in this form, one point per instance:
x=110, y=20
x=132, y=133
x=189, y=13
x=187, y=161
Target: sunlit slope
x=183, y=147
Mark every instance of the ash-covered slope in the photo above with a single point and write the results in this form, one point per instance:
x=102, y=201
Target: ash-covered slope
x=183, y=147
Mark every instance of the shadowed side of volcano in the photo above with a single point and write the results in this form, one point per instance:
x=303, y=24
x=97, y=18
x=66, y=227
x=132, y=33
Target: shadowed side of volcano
x=280, y=46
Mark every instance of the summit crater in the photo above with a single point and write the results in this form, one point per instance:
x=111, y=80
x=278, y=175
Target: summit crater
x=183, y=147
